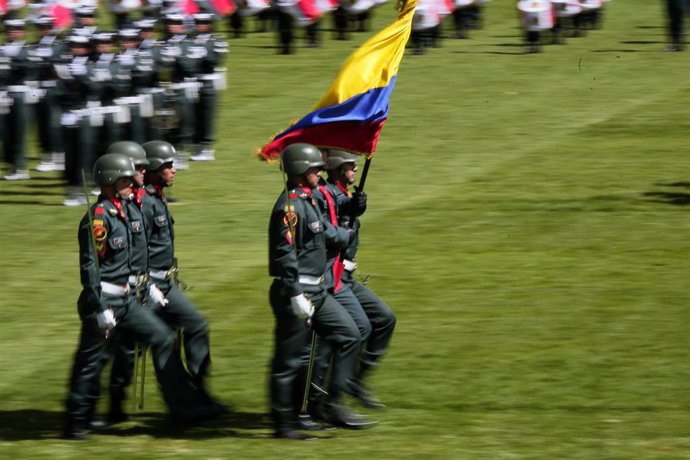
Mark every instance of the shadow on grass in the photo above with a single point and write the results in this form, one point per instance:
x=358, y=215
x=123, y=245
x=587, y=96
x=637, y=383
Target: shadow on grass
x=676, y=198
x=35, y=424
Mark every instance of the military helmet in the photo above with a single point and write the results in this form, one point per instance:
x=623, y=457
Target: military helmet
x=158, y=153
x=336, y=158
x=298, y=158
x=112, y=166
x=132, y=150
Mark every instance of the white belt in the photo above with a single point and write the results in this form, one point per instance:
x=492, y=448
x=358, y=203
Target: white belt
x=48, y=83
x=114, y=289
x=311, y=280
x=159, y=274
x=17, y=88
x=349, y=265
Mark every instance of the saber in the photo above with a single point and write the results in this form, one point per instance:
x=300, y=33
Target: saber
x=136, y=375
x=144, y=352
x=310, y=369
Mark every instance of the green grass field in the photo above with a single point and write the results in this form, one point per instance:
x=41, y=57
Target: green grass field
x=527, y=221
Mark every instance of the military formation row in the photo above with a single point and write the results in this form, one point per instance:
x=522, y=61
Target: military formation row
x=94, y=88
x=331, y=330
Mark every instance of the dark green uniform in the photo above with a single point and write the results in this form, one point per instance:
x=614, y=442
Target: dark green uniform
x=104, y=278
x=180, y=312
x=297, y=261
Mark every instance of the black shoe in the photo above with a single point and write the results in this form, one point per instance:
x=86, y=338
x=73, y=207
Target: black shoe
x=289, y=433
x=365, y=397
x=338, y=415
x=75, y=432
x=307, y=423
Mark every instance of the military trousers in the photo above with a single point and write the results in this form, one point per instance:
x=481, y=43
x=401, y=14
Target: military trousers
x=15, y=132
x=181, y=314
x=135, y=323
x=204, y=114
x=292, y=348
x=48, y=122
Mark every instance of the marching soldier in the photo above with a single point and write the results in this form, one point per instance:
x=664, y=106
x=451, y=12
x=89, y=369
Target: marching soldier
x=123, y=351
x=108, y=308
x=47, y=50
x=179, y=312
x=22, y=71
x=375, y=320
x=211, y=49
x=297, y=261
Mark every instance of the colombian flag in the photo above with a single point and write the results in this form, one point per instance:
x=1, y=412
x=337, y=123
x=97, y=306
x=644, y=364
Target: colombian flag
x=352, y=112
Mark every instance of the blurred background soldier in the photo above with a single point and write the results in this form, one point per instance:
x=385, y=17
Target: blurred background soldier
x=22, y=74
x=75, y=88
x=121, y=10
x=84, y=21
x=536, y=17
x=425, y=25
x=151, y=9
x=179, y=60
x=145, y=77
x=108, y=83
x=14, y=8
x=48, y=50
x=211, y=79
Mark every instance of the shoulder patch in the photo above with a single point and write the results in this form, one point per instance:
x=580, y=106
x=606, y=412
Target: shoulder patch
x=290, y=219
x=100, y=233
x=99, y=210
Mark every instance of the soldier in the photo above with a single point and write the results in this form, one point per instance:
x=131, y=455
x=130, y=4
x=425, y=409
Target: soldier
x=145, y=77
x=179, y=58
x=297, y=261
x=212, y=50
x=180, y=313
x=108, y=309
x=111, y=79
x=47, y=50
x=375, y=320
x=22, y=67
x=84, y=21
x=74, y=89
x=123, y=351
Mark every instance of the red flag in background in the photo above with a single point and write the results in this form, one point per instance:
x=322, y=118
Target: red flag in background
x=223, y=7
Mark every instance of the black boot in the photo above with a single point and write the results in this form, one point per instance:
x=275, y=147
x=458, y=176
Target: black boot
x=75, y=431
x=365, y=396
x=287, y=431
x=117, y=414
x=337, y=414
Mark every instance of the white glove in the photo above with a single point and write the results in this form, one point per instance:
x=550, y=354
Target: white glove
x=157, y=296
x=106, y=319
x=301, y=306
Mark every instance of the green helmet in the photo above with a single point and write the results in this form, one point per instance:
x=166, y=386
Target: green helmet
x=297, y=158
x=158, y=153
x=112, y=166
x=132, y=150
x=336, y=158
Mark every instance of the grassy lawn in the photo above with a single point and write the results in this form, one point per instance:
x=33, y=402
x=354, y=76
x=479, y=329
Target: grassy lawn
x=528, y=223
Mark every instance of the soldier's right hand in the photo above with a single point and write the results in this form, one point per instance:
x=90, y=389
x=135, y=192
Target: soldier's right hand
x=301, y=306
x=106, y=319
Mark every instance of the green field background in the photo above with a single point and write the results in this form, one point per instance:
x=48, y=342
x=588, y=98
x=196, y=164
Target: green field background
x=527, y=221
